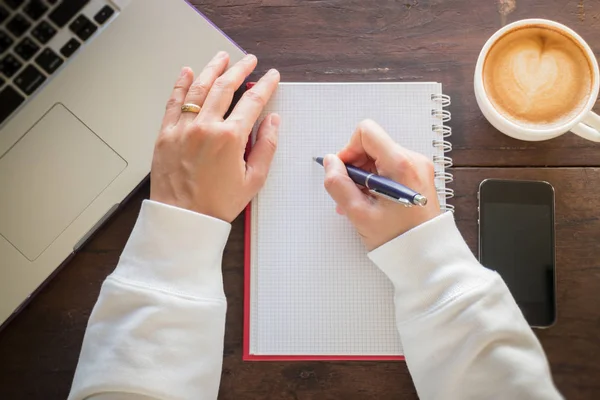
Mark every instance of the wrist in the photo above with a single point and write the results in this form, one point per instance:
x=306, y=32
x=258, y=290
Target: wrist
x=185, y=203
x=428, y=266
x=398, y=224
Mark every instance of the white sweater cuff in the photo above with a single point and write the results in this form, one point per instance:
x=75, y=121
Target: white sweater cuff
x=429, y=266
x=176, y=251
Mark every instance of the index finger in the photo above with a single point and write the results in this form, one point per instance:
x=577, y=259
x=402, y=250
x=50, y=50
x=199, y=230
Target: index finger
x=368, y=142
x=248, y=109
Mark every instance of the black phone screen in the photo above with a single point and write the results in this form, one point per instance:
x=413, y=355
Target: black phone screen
x=517, y=240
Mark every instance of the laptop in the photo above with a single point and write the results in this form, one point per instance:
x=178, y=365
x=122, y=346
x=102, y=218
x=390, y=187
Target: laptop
x=83, y=87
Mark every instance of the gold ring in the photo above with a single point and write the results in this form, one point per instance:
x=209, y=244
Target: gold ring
x=189, y=107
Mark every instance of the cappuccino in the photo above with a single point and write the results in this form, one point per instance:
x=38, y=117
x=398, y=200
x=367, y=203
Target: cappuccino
x=538, y=77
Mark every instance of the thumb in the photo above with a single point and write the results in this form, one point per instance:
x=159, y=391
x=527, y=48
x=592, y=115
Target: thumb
x=349, y=198
x=261, y=154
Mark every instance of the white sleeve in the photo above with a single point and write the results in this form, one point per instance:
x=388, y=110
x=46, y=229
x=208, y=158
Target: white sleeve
x=463, y=335
x=157, y=328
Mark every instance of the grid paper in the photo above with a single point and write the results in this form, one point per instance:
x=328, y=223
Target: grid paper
x=313, y=289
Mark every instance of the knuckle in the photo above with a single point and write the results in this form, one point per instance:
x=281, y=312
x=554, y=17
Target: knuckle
x=354, y=209
x=199, y=89
x=271, y=143
x=223, y=82
x=402, y=163
x=428, y=165
x=256, y=98
x=201, y=129
x=332, y=180
x=162, y=142
x=228, y=132
x=257, y=179
x=180, y=85
x=212, y=66
x=261, y=175
x=173, y=102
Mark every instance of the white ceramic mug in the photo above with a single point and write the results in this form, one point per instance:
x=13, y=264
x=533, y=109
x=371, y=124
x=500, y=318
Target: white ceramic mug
x=586, y=124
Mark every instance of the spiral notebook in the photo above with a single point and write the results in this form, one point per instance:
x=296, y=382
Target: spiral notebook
x=311, y=293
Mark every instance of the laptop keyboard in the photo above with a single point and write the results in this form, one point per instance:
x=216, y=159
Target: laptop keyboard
x=36, y=39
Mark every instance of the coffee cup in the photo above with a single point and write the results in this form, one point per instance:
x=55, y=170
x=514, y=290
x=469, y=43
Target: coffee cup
x=536, y=79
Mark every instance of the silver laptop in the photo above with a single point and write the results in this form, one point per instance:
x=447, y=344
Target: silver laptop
x=83, y=86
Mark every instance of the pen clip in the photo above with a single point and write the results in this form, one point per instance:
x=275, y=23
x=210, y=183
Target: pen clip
x=404, y=202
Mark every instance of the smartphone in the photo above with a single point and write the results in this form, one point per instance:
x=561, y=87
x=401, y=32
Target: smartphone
x=516, y=239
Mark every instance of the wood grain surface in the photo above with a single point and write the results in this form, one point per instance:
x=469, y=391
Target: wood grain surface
x=408, y=40
x=359, y=40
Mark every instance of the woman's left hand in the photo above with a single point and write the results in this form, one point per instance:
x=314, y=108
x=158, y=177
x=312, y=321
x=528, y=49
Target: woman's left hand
x=198, y=159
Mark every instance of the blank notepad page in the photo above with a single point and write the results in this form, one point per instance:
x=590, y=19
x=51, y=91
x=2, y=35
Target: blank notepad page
x=313, y=291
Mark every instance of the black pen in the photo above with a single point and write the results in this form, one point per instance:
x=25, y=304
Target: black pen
x=382, y=186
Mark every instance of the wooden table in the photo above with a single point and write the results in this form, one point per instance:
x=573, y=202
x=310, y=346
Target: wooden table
x=359, y=40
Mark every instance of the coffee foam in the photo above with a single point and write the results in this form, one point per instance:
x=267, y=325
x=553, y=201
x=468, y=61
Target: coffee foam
x=537, y=77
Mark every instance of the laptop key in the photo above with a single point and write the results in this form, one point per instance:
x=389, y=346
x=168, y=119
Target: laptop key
x=2, y=81
x=103, y=15
x=18, y=25
x=14, y=4
x=3, y=14
x=66, y=10
x=29, y=80
x=10, y=99
x=43, y=32
x=35, y=9
x=26, y=49
x=83, y=27
x=70, y=47
x=48, y=60
x=87, y=31
x=10, y=65
x=78, y=23
x=5, y=42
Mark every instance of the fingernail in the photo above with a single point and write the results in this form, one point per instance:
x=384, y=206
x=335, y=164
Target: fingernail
x=273, y=72
x=183, y=72
x=221, y=54
x=275, y=120
x=249, y=57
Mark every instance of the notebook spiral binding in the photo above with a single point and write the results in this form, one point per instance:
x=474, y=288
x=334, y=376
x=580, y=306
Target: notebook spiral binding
x=443, y=131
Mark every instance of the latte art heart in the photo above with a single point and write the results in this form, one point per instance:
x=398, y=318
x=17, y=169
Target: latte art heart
x=533, y=69
x=537, y=77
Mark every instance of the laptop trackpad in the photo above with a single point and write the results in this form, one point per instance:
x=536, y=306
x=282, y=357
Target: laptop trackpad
x=49, y=177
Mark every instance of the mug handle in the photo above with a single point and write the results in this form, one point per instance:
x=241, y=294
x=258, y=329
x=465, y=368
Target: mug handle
x=589, y=128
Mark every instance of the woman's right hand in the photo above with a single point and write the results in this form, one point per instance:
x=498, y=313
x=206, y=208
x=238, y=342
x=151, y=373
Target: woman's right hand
x=378, y=220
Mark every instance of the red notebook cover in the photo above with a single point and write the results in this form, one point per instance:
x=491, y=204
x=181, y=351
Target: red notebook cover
x=247, y=356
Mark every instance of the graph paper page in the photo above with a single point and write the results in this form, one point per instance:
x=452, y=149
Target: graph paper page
x=313, y=289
